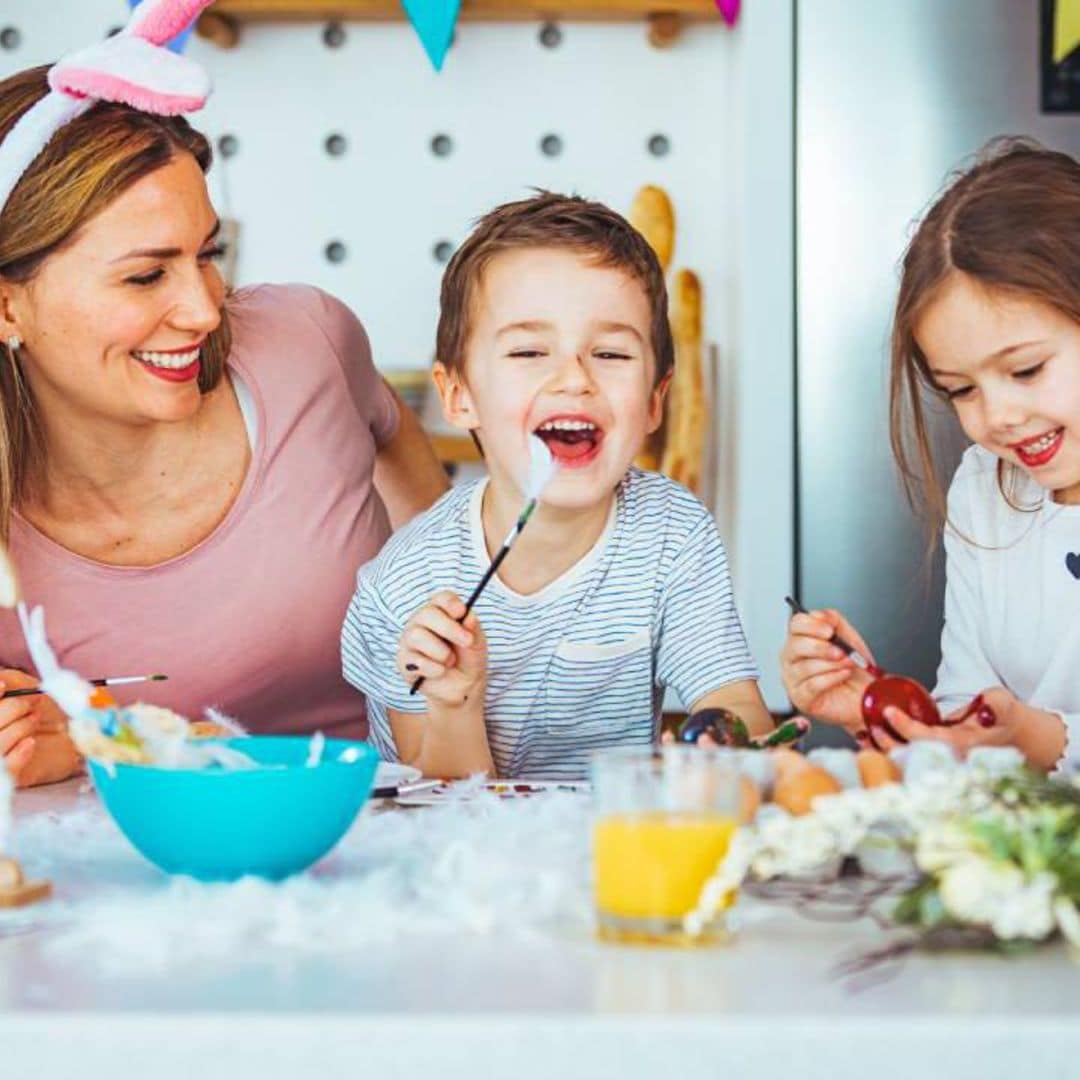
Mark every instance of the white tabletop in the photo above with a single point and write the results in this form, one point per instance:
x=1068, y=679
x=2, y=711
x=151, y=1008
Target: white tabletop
x=766, y=1005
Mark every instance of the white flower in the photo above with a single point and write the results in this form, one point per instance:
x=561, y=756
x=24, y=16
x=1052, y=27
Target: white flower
x=1029, y=912
x=941, y=845
x=995, y=895
x=995, y=761
x=792, y=845
x=1068, y=920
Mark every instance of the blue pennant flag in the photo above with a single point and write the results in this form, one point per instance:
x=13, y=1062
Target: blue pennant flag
x=434, y=21
x=180, y=41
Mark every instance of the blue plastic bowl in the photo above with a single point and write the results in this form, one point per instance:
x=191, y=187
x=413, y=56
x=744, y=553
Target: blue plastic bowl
x=219, y=824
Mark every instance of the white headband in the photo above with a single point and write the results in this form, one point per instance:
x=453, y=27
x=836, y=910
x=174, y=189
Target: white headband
x=132, y=68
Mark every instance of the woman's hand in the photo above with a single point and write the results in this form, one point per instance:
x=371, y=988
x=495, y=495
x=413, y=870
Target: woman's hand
x=33, y=735
x=44, y=759
x=449, y=655
x=821, y=679
x=1037, y=733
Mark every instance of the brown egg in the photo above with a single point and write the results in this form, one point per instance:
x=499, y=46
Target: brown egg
x=796, y=789
x=749, y=800
x=876, y=769
x=786, y=763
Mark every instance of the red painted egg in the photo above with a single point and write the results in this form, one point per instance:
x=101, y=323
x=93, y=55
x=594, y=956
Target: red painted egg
x=899, y=692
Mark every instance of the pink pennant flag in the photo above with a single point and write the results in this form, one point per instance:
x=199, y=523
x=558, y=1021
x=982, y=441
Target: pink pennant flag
x=729, y=9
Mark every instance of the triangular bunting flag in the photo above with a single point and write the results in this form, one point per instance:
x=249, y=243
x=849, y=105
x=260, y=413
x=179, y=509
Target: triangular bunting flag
x=434, y=21
x=1066, y=28
x=730, y=10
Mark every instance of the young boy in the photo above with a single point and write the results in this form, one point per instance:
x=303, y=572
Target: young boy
x=553, y=321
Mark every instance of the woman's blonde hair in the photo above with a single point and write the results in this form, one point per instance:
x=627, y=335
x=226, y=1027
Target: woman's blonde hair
x=84, y=168
x=1012, y=223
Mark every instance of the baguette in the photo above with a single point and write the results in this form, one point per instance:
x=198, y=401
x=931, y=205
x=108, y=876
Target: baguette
x=687, y=416
x=652, y=214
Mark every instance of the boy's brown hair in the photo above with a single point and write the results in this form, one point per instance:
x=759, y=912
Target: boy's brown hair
x=1010, y=222
x=549, y=220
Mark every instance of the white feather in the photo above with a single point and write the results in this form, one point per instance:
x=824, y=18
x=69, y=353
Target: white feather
x=71, y=692
x=7, y=813
x=541, y=468
x=9, y=582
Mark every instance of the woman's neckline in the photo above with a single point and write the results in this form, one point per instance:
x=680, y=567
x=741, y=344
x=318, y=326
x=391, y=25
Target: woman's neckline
x=256, y=410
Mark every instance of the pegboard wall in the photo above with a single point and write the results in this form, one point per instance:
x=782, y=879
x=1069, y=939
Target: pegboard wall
x=350, y=164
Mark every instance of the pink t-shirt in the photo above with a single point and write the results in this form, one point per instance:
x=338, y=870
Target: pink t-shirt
x=249, y=620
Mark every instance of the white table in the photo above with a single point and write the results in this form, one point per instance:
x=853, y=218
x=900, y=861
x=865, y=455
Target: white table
x=768, y=1005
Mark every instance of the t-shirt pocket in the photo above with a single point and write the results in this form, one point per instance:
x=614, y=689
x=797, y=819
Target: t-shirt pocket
x=602, y=691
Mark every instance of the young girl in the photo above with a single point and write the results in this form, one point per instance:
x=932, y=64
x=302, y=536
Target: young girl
x=988, y=318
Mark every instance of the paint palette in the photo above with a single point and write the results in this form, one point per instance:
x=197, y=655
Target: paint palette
x=466, y=790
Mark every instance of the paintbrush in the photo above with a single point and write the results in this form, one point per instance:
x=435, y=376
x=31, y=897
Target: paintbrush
x=402, y=791
x=836, y=639
x=541, y=470
x=119, y=680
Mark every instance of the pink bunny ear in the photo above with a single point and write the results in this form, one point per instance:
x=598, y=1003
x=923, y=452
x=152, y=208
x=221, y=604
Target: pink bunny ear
x=132, y=67
x=159, y=21
x=132, y=71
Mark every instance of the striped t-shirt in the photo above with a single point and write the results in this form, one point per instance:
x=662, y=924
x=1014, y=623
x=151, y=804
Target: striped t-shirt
x=581, y=664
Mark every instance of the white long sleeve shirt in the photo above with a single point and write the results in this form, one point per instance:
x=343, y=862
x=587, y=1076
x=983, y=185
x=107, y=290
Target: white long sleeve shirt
x=1012, y=595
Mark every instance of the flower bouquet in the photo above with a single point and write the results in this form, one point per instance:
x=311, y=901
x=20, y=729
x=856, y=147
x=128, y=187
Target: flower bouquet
x=985, y=853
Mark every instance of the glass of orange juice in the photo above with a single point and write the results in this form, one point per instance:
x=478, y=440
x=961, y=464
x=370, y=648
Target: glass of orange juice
x=663, y=823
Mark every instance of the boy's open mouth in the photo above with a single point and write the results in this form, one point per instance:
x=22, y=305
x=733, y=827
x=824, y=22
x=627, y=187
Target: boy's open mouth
x=574, y=441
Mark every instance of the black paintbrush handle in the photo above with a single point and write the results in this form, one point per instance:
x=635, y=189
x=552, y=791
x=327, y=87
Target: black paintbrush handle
x=836, y=639
x=116, y=680
x=29, y=690
x=488, y=575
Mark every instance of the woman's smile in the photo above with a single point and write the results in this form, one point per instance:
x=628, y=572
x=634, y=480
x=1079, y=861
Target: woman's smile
x=172, y=365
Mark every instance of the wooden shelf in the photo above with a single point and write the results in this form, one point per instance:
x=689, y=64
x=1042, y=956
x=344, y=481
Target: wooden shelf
x=455, y=449
x=221, y=23
x=382, y=10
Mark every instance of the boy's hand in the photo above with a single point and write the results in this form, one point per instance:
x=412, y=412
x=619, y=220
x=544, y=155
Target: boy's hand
x=451, y=656
x=821, y=680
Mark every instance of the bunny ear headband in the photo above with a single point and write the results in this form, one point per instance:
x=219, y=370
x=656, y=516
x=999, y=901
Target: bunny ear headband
x=131, y=68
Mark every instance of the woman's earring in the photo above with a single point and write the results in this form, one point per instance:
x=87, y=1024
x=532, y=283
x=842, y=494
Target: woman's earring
x=14, y=343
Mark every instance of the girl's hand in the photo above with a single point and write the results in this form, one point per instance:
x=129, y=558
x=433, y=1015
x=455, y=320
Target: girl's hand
x=451, y=656
x=1017, y=724
x=33, y=735
x=821, y=679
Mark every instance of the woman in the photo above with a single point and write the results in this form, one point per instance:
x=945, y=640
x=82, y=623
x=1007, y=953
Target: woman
x=188, y=479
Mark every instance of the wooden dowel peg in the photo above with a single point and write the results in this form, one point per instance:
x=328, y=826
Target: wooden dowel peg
x=220, y=30
x=664, y=29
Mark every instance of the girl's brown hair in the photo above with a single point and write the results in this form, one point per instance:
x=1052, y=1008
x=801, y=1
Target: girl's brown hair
x=84, y=168
x=1012, y=223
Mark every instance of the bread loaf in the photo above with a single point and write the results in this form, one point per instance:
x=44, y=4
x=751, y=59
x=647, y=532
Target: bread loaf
x=687, y=407
x=652, y=214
